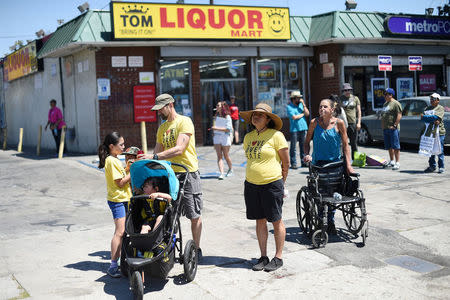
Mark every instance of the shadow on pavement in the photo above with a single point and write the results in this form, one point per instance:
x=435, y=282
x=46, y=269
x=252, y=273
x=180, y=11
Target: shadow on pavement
x=89, y=266
x=225, y=262
x=106, y=255
x=412, y=171
x=295, y=235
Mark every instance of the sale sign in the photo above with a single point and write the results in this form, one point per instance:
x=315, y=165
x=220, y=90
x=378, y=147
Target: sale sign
x=427, y=82
x=144, y=100
x=384, y=63
x=415, y=63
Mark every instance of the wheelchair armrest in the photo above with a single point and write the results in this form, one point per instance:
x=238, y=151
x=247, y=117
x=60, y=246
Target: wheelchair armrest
x=354, y=174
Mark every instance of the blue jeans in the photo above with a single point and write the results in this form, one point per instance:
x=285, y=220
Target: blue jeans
x=432, y=160
x=300, y=137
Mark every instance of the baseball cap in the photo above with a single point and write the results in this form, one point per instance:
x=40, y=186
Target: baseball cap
x=296, y=94
x=435, y=96
x=162, y=100
x=131, y=151
x=390, y=91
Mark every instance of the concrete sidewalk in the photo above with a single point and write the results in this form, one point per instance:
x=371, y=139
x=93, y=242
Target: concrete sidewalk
x=56, y=229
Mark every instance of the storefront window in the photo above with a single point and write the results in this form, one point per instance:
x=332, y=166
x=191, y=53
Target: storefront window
x=174, y=78
x=276, y=79
x=223, y=69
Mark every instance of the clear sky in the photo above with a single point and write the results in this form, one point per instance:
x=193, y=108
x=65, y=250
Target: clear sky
x=20, y=19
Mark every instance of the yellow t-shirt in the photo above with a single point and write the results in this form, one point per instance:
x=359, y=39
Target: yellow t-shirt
x=114, y=170
x=263, y=161
x=167, y=136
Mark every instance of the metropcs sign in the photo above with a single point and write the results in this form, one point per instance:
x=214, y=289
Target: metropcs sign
x=170, y=21
x=426, y=26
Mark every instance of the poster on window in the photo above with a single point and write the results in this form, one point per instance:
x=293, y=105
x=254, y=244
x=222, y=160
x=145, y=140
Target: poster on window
x=378, y=87
x=405, y=88
x=266, y=71
x=427, y=82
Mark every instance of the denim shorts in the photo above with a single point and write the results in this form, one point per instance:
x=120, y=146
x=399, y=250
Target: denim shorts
x=118, y=209
x=391, y=139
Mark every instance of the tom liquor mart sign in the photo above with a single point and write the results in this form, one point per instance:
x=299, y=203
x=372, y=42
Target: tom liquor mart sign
x=170, y=21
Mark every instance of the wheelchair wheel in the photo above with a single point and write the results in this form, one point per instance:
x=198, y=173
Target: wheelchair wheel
x=319, y=238
x=137, y=286
x=354, y=215
x=304, y=216
x=190, y=261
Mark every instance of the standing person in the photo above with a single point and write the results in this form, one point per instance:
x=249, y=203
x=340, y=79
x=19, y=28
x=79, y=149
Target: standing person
x=352, y=107
x=118, y=192
x=297, y=113
x=175, y=142
x=435, y=114
x=390, y=123
x=267, y=168
x=329, y=137
x=223, y=130
x=56, y=122
x=235, y=118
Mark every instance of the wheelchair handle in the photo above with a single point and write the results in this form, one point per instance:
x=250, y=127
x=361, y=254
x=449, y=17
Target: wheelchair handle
x=328, y=165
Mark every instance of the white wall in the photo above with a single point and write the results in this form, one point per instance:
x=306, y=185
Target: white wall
x=27, y=103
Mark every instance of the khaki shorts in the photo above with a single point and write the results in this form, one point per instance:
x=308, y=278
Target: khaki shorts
x=192, y=204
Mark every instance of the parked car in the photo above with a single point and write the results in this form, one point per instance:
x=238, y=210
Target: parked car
x=410, y=124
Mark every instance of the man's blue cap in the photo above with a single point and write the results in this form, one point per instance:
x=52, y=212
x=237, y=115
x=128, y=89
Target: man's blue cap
x=390, y=91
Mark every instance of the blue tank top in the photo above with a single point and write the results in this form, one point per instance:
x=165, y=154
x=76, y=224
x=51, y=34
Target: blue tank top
x=327, y=144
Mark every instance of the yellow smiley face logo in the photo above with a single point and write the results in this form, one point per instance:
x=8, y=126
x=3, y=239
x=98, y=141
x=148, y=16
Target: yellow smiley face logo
x=276, y=22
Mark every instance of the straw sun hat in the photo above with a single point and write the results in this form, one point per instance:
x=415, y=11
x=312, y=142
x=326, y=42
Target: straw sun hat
x=265, y=109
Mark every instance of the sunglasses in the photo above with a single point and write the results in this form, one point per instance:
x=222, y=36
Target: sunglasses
x=347, y=90
x=433, y=99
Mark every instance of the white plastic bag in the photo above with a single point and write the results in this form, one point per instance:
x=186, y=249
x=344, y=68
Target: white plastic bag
x=429, y=141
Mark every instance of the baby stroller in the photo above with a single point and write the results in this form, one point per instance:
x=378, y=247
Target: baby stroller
x=328, y=188
x=153, y=254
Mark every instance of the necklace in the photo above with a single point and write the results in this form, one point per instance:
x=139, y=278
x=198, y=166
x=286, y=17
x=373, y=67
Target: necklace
x=262, y=129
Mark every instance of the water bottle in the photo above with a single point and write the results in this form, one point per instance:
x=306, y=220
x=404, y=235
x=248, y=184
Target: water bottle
x=337, y=196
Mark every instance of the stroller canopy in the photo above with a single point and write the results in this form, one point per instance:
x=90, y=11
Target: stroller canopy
x=143, y=169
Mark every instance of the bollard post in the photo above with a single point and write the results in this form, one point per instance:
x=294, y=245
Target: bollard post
x=61, y=143
x=38, y=147
x=5, y=137
x=19, y=147
x=143, y=137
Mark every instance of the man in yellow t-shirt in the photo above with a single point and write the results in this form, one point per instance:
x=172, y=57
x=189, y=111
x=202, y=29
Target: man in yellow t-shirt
x=175, y=142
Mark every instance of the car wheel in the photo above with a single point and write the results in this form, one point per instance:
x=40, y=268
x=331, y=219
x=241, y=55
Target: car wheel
x=364, y=137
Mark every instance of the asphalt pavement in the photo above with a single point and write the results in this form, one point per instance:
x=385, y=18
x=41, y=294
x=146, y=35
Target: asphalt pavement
x=56, y=229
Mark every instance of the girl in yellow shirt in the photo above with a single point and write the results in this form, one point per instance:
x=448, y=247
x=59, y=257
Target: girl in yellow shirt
x=118, y=192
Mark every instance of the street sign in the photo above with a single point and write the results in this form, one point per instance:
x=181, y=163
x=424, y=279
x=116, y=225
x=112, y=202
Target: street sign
x=384, y=63
x=415, y=63
x=144, y=100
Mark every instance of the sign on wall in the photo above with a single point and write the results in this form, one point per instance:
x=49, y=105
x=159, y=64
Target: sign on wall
x=171, y=21
x=328, y=70
x=103, y=88
x=429, y=26
x=144, y=100
x=427, y=82
x=266, y=71
x=378, y=87
x=21, y=63
x=405, y=88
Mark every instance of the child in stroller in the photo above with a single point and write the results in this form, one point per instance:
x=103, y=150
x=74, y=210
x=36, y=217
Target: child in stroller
x=153, y=211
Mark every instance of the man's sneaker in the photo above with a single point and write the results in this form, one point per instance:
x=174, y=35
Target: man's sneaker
x=262, y=262
x=441, y=170
x=229, y=173
x=429, y=170
x=220, y=176
x=396, y=166
x=294, y=167
x=391, y=164
x=274, y=264
x=114, y=272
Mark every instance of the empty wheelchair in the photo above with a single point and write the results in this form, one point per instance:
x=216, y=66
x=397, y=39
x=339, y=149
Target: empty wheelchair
x=329, y=188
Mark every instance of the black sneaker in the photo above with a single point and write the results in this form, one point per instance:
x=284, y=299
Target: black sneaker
x=274, y=264
x=429, y=170
x=262, y=262
x=331, y=229
x=294, y=167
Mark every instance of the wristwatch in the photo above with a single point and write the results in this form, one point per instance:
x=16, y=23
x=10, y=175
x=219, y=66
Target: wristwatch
x=395, y=126
x=155, y=156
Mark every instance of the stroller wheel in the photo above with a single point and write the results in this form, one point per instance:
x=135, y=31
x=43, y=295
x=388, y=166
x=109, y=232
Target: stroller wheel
x=137, y=286
x=190, y=261
x=319, y=238
x=123, y=255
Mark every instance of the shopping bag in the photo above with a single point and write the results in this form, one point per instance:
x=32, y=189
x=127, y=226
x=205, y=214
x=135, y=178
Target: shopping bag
x=437, y=145
x=428, y=140
x=359, y=159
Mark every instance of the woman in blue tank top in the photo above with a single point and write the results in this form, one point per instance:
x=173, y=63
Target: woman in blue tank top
x=329, y=137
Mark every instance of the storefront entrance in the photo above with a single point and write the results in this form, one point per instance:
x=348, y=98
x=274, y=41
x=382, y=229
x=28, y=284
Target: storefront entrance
x=215, y=90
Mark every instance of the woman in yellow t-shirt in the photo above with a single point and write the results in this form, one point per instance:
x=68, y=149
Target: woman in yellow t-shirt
x=118, y=192
x=267, y=155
